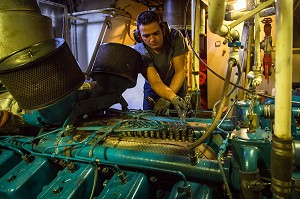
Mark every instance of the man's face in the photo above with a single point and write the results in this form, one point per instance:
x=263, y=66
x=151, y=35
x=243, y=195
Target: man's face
x=152, y=35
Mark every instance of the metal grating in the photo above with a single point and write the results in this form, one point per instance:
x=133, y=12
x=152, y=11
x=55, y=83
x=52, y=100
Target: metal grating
x=46, y=80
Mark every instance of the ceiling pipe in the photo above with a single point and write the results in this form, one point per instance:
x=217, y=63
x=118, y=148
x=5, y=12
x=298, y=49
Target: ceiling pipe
x=216, y=10
x=234, y=15
x=257, y=61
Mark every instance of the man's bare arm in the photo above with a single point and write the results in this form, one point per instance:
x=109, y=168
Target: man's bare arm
x=158, y=86
x=180, y=73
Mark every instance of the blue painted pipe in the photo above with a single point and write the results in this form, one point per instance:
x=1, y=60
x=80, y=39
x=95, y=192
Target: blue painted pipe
x=249, y=160
x=207, y=170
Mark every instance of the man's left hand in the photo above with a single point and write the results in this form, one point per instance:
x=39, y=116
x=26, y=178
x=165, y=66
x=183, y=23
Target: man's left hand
x=180, y=106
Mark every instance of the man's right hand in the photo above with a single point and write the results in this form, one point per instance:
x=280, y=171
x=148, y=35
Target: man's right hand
x=161, y=106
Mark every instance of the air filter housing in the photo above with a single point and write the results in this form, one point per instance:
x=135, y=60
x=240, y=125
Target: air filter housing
x=116, y=67
x=41, y=74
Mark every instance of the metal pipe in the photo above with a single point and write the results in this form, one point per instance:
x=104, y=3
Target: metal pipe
x=281, y=167
x=249, y=46
x=282, y=150
x=196, y=42
x=251, y=13
x=231, y=16
x=283, y=75
x=205, y=169
x=257, y=63
x=52, y=3
x=109, y=11
x=216, y=10
x=247, y=179
x=78, y=18
x=267, y=12
x=107, y=24
x=202, y=21
x=250, y=159
x=297, y=153
x=249, y=51
x=296, y=112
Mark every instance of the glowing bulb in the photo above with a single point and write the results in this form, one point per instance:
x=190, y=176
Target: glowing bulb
x=240, y=4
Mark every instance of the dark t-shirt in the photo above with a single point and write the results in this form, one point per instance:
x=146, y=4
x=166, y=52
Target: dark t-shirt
x=174, y=45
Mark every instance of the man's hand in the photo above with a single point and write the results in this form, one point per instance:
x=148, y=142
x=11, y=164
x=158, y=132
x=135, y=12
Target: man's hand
x=161, y=106
x=180, y=106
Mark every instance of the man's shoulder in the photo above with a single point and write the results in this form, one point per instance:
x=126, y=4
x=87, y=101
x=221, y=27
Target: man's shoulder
x=177, y=42
x=140, y=48
x=175, y=33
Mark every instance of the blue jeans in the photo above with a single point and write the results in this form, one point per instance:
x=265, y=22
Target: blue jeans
x=149, y=92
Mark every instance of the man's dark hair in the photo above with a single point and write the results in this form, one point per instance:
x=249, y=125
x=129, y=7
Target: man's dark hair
x=147, y=17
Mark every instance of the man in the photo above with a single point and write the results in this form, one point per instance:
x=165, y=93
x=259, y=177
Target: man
x=164, y=51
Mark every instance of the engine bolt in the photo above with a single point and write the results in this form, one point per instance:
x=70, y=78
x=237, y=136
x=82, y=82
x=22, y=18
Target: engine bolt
x=153, y=179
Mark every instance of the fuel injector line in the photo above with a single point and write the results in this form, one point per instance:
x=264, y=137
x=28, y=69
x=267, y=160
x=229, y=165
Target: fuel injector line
x=104, y=136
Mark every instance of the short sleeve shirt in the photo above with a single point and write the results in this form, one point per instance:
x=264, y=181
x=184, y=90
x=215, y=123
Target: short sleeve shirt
x=174, y=45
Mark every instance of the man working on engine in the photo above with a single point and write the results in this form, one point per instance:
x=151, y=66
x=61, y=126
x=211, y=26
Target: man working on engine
x=164, y=52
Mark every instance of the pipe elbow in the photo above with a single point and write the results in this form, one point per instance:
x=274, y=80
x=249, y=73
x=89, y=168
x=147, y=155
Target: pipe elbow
x=216, y=16
x=251, y=155
x=222, y=30
x=214, y=27
x=257, y=81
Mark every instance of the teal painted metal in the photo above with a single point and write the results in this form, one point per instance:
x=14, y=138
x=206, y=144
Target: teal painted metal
x=250, y=154
x=249, y=159
x=296, y=97
x=135, y=187
x=296, y=179
x=197, y=191
x=242, y=112
x=8, y=159
x=53, y=145
x=55, y=114
x=204, y=169
x=71, y=183
x=258, y=145
x=24, y=180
